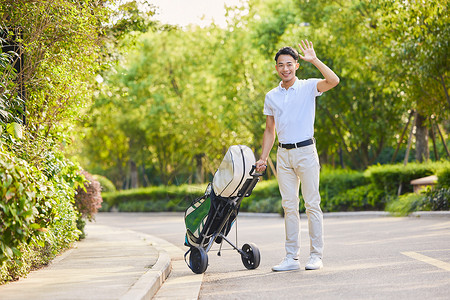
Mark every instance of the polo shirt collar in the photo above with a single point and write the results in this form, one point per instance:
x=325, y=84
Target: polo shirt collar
x=294, y=86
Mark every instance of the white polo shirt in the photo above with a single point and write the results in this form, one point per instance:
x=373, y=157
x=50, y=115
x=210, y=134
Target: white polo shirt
x=294, y=110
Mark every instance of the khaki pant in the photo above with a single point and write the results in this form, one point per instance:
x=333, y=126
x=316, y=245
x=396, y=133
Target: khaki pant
x=295, y=166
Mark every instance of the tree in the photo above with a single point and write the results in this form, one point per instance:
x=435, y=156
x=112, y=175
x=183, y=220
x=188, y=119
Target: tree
x=417, y=35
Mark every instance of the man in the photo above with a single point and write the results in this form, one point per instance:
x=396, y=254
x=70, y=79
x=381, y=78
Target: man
x=290, y=110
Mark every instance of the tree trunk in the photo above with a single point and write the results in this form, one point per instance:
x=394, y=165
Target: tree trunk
x=341, y=158
x=408, y=147
x=411, y=114
x=133, y=175
x=422, y=149
x=200, y=172
x=433, y=138
x=443, y=140
x=445, y=89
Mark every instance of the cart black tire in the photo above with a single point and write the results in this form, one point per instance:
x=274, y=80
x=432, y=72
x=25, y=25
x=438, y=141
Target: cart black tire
x=252, y=258
x=198, y=260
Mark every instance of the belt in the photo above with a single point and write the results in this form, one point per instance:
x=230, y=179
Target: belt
x=297, y=145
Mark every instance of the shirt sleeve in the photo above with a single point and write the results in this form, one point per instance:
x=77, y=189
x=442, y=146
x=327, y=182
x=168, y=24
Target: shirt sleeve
x=314, y=82
x=268, y=111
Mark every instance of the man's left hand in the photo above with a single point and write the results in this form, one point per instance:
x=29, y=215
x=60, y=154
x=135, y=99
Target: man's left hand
x=308, y=51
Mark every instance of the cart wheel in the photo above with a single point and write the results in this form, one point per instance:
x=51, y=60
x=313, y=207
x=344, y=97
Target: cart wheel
x=198, y=260
x=252, y=258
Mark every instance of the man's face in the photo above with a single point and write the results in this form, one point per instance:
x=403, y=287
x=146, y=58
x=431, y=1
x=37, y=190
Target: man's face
x=286, y=67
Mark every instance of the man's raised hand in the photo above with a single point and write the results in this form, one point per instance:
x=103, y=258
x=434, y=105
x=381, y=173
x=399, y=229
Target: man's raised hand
x=308, y=51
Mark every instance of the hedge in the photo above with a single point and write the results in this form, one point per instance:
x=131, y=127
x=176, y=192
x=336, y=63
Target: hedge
x=341, y=190
x=444, y=177
x=388, y=178
x=37, y=212
x=159, y=198
x=265, y=196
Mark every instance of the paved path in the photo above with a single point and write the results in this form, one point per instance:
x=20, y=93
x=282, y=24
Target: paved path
x=111, y=263
x=365, y=258
x=127, y=256
x=367, y=255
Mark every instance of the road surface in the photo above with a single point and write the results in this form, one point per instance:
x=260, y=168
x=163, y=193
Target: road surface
x=366, y=257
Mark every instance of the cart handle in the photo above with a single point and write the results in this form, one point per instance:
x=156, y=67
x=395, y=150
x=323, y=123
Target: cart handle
x=254, y=174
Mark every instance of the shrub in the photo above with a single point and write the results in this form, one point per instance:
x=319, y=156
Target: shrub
x=88, y=198
x=388, y=178
x=38, y=218
x=444, y=178
x=106, y=184
x=365, y=197
x=265, y=197
x=159, y=198
x=405, y=204
x=334, y=182
x=438, y=199
x=22, y=188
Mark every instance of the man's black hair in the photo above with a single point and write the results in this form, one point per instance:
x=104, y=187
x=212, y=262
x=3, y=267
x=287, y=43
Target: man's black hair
x=287, y=50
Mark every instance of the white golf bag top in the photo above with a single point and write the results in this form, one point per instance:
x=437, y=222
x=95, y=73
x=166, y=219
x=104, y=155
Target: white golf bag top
x=233, y=171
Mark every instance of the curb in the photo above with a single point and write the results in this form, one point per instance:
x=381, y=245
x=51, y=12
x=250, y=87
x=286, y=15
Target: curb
x=430, y=214
x=149, y=283
x=325, y=215
x=357, y=214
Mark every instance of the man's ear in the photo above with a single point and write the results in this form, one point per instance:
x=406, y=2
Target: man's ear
x=297, y=65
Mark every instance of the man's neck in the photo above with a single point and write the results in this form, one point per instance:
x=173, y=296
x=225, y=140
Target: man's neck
x=287, y=84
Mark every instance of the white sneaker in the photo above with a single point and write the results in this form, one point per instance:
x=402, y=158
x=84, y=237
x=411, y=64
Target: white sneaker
x=287, y=264
x=314, y=263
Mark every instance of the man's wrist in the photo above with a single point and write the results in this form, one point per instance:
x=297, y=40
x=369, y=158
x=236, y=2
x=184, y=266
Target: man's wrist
x=315, y=60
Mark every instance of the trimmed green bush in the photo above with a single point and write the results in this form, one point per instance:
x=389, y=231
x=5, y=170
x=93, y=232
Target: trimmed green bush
x=444, y=178
x=388, y=178
x=106, y=184
x=334, y=182
x=159, y=198
x=340, y=190
x=264, y=198
x=365, y=197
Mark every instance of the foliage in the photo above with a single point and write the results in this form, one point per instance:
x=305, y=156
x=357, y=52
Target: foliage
x=156, y=198
x=11, y=105
x=444, y=178
x=417, y=35
x=169, y=109
x=438, y=199
x=49, y=58
x=23, y=206
x=341, y=190
x=157, y=112
x=106, y=185
x=430, y=200
x=361, y=198
x=38, y=218
x=394, y=178
x=333, y=182
x=264, y=198
x=59, y=40
x=405, y=204
x=88, y=198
